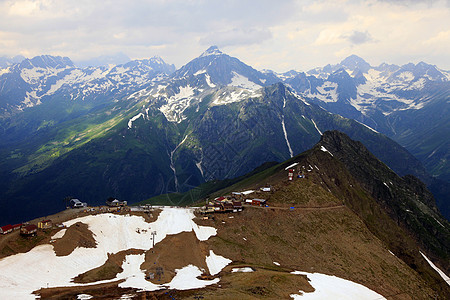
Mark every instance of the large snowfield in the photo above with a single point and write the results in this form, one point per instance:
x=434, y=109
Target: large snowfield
x=21, y=274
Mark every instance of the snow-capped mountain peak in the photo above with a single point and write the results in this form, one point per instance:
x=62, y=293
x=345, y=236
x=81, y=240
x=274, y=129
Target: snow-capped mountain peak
x=354, y=63
x=46, y=62
x=213, y=50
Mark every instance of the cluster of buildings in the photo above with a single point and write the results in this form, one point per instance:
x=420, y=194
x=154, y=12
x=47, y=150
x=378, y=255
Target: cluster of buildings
x=32, y=229
x=234, y=202
x=10, y=228
x=27, y=229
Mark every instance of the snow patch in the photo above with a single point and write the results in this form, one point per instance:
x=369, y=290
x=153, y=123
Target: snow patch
x=247, y=192
x=325, y=150
x=216, y=263
x=186, y=278
x=4, y=71
x=291, y=166
x=208, y=81
x=202, y=71
x=234, y=94
x=276, y=263
x=417, y=85
x=133, y=275
x=327, y=92
x=59, y=234
x=177, y=104
x=242, y=270
x=332, y=287
x=130, y=122
x=243, y=82
x=406, y=76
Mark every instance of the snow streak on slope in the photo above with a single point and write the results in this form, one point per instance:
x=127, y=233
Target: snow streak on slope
x=325, y=150
x=199, y=164
x=332, y=287
x=368, y=127
x=130, y=122
x=440, y=272
x=112, y=233
x=291, y=153
x=172, y=165
x=320, y=132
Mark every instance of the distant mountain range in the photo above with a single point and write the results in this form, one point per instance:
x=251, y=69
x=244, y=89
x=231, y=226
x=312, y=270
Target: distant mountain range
x=408, y=103
x=143, y=128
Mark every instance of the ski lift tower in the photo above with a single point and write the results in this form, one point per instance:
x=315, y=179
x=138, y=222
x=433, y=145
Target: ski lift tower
x=153, y=233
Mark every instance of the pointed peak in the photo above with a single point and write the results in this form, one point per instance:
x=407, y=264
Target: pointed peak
x=354, y=58
x=213, y=50
x=157, y=59
x=354, y=62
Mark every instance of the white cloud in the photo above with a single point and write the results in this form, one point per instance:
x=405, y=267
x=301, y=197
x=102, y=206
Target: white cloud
x=358, y=37
x=278, y=35
x=236, y=36
x=24, y=8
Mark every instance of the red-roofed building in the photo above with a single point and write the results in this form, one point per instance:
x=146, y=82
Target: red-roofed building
x=17, y=226
x=29, y=230
x=6, y=229
x=258, y=202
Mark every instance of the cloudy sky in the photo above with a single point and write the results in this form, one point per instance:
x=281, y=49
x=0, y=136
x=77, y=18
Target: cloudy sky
x=267, y=34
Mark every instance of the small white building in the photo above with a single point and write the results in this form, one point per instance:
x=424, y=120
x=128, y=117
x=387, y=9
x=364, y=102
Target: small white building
x=75, y=203
x=115, y=203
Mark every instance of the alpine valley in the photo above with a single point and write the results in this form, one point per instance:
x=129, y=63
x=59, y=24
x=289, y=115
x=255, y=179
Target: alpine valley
x=143, y=128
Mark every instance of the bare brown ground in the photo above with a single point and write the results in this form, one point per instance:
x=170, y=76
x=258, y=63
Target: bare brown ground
x=100, y=291
x=13, y=243
x=77, y=235
x=175, y=252
x=149, y=217
x=332, y=241
x=112, y=291
x=263, y=283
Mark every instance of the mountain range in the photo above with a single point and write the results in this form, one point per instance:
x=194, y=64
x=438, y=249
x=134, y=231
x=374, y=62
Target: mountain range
x=408, y=103
x=143, y=128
